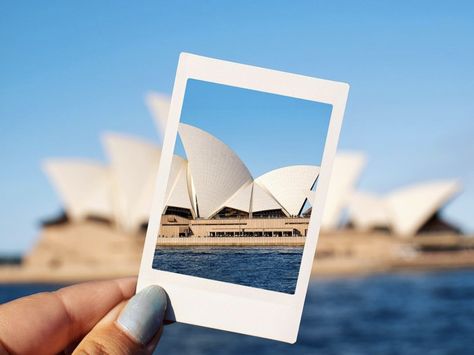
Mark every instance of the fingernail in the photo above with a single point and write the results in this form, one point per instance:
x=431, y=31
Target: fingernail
x=143, y=315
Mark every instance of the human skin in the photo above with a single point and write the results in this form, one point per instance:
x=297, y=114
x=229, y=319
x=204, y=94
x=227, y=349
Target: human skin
x=84, y=318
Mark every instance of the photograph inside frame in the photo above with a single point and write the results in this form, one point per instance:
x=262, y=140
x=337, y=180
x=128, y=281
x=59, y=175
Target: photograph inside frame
x=241, y=186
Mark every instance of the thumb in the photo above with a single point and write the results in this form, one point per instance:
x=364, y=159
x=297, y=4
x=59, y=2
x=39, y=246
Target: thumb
x=132, y=327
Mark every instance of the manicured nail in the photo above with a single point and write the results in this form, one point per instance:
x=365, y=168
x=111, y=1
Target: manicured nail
x=143, y=315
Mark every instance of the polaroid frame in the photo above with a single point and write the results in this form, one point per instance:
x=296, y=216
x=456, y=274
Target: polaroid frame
x=222, y=305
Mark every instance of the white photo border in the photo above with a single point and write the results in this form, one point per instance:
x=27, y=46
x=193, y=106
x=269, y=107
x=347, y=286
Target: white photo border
x=222, y=305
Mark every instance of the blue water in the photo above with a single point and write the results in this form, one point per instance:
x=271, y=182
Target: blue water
x=391, y=314
x=270, y=268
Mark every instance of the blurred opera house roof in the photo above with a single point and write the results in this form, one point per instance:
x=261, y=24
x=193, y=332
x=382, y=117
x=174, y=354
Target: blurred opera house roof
x=212, y=178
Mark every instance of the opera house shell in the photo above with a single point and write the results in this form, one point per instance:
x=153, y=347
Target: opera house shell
x=212, y=182
x=405, y=211
x=212, y=179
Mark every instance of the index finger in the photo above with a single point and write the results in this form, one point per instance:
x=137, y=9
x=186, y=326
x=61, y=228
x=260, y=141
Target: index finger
x=48, y=322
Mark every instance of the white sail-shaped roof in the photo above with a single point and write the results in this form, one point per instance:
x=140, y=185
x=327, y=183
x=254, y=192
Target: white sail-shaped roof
x=217, y=172
x=346, y=170
x=311, y=195
x=191, y=191
x=262, y=200
x=290, y=185
x=177, y=191
x=134, y=164
x=83, y=186
x=411, y=207
x=177, y=165
x=241, y=199
x=159, y=106
x=368, y=211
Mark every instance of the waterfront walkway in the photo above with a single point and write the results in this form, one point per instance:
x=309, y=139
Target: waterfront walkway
x=231, y=241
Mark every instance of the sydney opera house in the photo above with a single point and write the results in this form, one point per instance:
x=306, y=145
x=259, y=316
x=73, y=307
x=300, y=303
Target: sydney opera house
x=211, y=192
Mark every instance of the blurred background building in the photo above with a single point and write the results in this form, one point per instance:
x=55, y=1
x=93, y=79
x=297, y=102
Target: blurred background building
x=121, y=191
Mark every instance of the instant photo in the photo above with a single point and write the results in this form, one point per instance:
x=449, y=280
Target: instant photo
x=239, y=196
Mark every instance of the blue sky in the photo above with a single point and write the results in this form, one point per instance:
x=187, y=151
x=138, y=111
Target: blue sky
x=266, y=131
x=70, y=71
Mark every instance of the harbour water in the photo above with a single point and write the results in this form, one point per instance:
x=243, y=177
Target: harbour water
x=417, y=313
x=270, y=268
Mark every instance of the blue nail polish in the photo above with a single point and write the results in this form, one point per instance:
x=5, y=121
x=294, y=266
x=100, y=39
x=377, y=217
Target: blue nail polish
x=143, y=315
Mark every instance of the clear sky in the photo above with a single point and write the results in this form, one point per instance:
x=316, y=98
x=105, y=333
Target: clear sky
x=72, y=70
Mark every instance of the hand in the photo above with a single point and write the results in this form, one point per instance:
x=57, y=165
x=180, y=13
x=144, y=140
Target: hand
x=89, y=318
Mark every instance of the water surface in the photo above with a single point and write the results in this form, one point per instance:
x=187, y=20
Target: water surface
x=270, y=268
x=408, y=314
